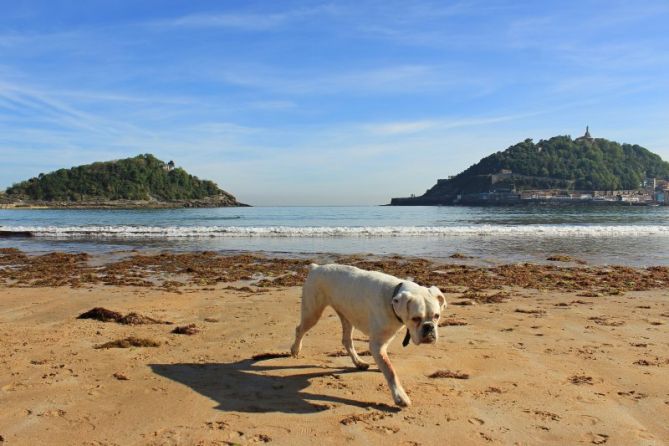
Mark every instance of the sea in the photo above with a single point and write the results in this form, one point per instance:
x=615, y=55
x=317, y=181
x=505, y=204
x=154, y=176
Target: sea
x=602, y=235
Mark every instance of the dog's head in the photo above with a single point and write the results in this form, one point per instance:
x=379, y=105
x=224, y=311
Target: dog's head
x=420, y=309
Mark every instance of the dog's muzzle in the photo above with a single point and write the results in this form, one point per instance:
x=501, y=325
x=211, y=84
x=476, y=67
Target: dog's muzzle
x=428, y=332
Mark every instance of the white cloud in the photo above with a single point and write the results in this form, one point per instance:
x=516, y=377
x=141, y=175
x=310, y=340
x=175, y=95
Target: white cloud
x=250, y=22
x=439, y=124
x=272, y=105
x=400, y=79
x=244, y=21
x=395, y=128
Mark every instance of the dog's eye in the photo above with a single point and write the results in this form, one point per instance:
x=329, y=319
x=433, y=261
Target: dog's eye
x=436, y=316
x=417, y=319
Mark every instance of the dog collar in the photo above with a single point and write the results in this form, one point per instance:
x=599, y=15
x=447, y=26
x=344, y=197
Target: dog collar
x=395, y=291
x=407, y=336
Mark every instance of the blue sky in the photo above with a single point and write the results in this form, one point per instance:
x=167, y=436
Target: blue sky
x=307, y=102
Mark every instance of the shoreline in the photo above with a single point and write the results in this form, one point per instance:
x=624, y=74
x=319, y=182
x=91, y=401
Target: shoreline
x=408, y=201
x=527, y=353
x=210, y=202
x=329, y=249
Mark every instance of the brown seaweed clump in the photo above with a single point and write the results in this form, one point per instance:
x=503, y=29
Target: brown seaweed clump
x=606, y=321
x=449, y=374
x=580, y=379
x=101, y=314
x=482, y=298
x=104, y=315
x=534, y=312
x=565, y=258
x=205, y=269
x=130, y=341
x=139, y=319
x=189, y=330
x=452, y=322
x=459, y=256
x=53, y=269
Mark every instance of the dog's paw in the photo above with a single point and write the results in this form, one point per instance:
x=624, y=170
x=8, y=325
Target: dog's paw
x=403, y=402
x=402, y=399
x=362, y=366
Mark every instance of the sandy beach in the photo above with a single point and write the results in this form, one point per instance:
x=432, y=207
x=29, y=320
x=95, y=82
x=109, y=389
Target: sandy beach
x=560, y=353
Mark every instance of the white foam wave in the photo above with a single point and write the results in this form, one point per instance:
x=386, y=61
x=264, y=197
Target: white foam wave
x=342, y=231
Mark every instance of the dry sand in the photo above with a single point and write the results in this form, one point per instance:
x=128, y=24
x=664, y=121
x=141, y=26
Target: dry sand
x=540, y=367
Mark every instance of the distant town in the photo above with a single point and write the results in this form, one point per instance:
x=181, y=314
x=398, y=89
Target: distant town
x=652, y=192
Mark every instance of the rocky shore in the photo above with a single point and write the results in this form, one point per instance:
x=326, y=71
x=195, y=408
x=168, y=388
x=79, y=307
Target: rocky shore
x=217, y=201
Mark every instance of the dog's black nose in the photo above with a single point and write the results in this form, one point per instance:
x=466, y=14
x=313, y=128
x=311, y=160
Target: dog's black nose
x=428, y=329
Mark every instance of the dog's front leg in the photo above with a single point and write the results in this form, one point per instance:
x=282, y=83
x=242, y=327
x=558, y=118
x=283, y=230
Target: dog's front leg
x=380, y=354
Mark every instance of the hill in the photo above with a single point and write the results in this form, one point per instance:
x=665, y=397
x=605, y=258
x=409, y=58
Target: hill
x=141, y=181
x=559, y=164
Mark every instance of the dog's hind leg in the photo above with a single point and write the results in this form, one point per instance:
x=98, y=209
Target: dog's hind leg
x=347, y=340
x=312, y=308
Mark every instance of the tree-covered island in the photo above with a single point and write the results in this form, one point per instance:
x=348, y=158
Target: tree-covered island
x=141, y=181
x=556, y=170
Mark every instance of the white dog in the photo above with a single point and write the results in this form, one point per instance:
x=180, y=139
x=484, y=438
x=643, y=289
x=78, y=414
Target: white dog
x=375, y=303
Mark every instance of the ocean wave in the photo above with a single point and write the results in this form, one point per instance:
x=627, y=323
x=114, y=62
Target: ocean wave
x=339, y=231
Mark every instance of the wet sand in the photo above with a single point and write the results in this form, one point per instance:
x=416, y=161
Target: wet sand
x=565, y=355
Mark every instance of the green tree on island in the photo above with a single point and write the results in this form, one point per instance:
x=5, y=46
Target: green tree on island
x=594, y=164
x=143, y=177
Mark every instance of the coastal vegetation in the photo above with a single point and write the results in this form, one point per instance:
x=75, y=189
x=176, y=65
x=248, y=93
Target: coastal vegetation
x=141, y=178
x=586, y=164
x=560, y=164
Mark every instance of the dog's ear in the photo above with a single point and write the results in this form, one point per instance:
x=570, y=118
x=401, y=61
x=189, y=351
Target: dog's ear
x=401, y=305
x=436, y=292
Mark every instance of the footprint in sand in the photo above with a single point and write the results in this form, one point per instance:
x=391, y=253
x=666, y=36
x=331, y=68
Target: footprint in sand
x=384, y=429
x=644, y=435
x=591, y=420
x=598, y=438
x=485, y=436
x=12, y=387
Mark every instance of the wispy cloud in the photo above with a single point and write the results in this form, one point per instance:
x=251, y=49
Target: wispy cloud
x=396, y=128
x=442, y=124
x=396, y=79
x=20, y=99
x=111, y=96
x=272, y=105
x=249, y=22
x=244, y=21
x=34, y=119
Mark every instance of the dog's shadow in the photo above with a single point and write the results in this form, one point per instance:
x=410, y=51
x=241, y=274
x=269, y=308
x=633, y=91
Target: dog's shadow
x=249, y=386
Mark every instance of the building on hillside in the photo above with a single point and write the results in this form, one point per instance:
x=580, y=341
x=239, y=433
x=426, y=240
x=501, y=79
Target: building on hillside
x=586, y=136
